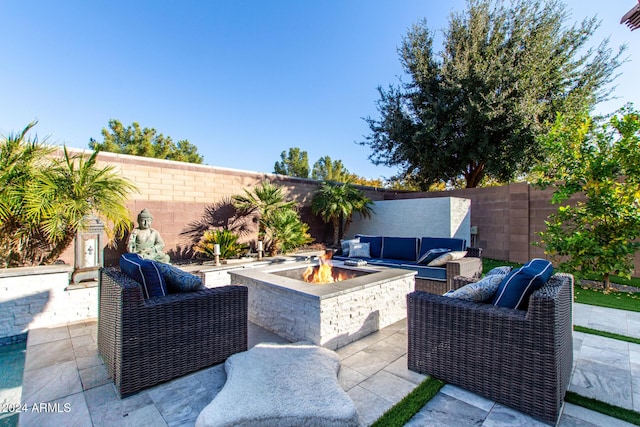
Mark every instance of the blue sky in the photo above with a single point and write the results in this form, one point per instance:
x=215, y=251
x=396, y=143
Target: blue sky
x=241, y=80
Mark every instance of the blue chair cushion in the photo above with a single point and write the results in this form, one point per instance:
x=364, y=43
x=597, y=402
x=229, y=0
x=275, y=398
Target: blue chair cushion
x=427, y=243
x=517, y=287
x=404, y=248
x=146, y=273
x=375, y=244
x=179, y=281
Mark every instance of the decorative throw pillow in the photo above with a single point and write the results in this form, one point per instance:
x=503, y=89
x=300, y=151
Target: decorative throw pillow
x=445, y=258
x=502, y=270
x=432, y=254
x=345, y=245
x=359, y=250
x=178, y=280
x=517, y=287
x=480, y=291
x=145, y=272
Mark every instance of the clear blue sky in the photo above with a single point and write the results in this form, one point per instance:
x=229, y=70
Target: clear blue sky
x=241, y=80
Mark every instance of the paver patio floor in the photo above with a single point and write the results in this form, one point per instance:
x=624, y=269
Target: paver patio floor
x=62, y=368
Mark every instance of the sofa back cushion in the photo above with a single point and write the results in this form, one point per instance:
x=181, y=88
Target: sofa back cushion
x=514, y=291
x=403, y=248
x=375, y=244
x=145, y=272
x=427, y=243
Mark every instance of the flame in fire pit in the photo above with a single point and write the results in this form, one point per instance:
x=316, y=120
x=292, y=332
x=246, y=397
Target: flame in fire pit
x=324, y=273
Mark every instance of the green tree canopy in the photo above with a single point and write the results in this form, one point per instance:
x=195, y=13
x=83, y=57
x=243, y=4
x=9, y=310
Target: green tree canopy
x=475, y=108
x=326, y=169
x=598, y=236
x=144, y=142
x=294, y=163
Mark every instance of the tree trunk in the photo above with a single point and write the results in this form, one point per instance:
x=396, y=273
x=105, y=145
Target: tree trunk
x=606, y=282
x=474, y=175
x=336, y=231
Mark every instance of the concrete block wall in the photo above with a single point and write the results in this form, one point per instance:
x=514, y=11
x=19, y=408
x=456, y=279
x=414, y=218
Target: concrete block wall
x=33, y=297
x=176, y=193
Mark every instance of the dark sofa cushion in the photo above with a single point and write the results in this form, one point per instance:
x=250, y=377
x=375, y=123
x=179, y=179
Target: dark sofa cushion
x=145, y=272
x=432, y=273
x=427, y=243
x=517, y=287
x=375, y=244
x=403, y=248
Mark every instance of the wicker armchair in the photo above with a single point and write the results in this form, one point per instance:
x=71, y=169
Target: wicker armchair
x=469, y=266
x=146, y=342
x=522, y=359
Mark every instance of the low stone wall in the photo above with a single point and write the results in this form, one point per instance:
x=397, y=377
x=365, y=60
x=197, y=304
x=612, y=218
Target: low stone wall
x=39, y=297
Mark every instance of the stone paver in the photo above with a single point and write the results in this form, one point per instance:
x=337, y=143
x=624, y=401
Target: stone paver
x=373, y=373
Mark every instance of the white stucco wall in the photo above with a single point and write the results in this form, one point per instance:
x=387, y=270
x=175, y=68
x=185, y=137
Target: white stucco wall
x=434, y=217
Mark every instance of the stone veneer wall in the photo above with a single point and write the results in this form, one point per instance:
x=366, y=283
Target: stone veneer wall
x=38, y=297
x=331, y=321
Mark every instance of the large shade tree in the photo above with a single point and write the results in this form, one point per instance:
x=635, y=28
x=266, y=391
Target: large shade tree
x=474, y=109
x=145, y=142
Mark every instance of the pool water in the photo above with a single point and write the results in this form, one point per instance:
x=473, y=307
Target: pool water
x=11, y=369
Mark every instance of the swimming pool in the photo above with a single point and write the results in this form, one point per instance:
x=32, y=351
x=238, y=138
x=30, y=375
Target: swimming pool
x=11, y=370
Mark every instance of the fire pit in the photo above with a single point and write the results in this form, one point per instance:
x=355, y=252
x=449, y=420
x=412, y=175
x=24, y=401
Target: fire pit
x=332, y=314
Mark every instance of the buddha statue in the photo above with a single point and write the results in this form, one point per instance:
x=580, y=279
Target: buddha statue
x=145, y=241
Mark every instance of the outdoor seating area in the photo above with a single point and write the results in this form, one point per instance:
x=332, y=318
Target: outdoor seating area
x=63, y=367
x=436, y=260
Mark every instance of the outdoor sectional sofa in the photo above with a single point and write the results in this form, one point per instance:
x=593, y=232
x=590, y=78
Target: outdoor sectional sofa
x=404, y=252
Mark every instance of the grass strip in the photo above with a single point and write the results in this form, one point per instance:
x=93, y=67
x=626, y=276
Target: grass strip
x=606, y=334
x=620, y=300
x=404, y=410
x=604, y=408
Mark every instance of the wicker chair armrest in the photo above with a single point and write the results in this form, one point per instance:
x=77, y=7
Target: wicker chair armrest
x=474, y=252
x=166, y=302
x=468, y=267
x=454, y=308
x=460, y=281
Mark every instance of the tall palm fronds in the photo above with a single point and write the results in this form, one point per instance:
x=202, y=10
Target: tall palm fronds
x=45, y=200
x=336, y=203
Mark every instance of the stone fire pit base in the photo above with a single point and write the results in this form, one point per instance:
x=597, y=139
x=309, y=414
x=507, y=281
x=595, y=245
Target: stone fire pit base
x=330, y=315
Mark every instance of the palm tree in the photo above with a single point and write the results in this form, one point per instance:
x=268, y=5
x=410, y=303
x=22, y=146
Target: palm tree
x=72, y=189
x=266, y=200
x=44, y=201
x=336, y=203
x=21, y=159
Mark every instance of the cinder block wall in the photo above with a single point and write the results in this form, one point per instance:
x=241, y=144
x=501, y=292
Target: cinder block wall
x=176, y=193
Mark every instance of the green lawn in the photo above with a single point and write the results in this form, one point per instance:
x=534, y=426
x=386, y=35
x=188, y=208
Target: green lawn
x=620, y=300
